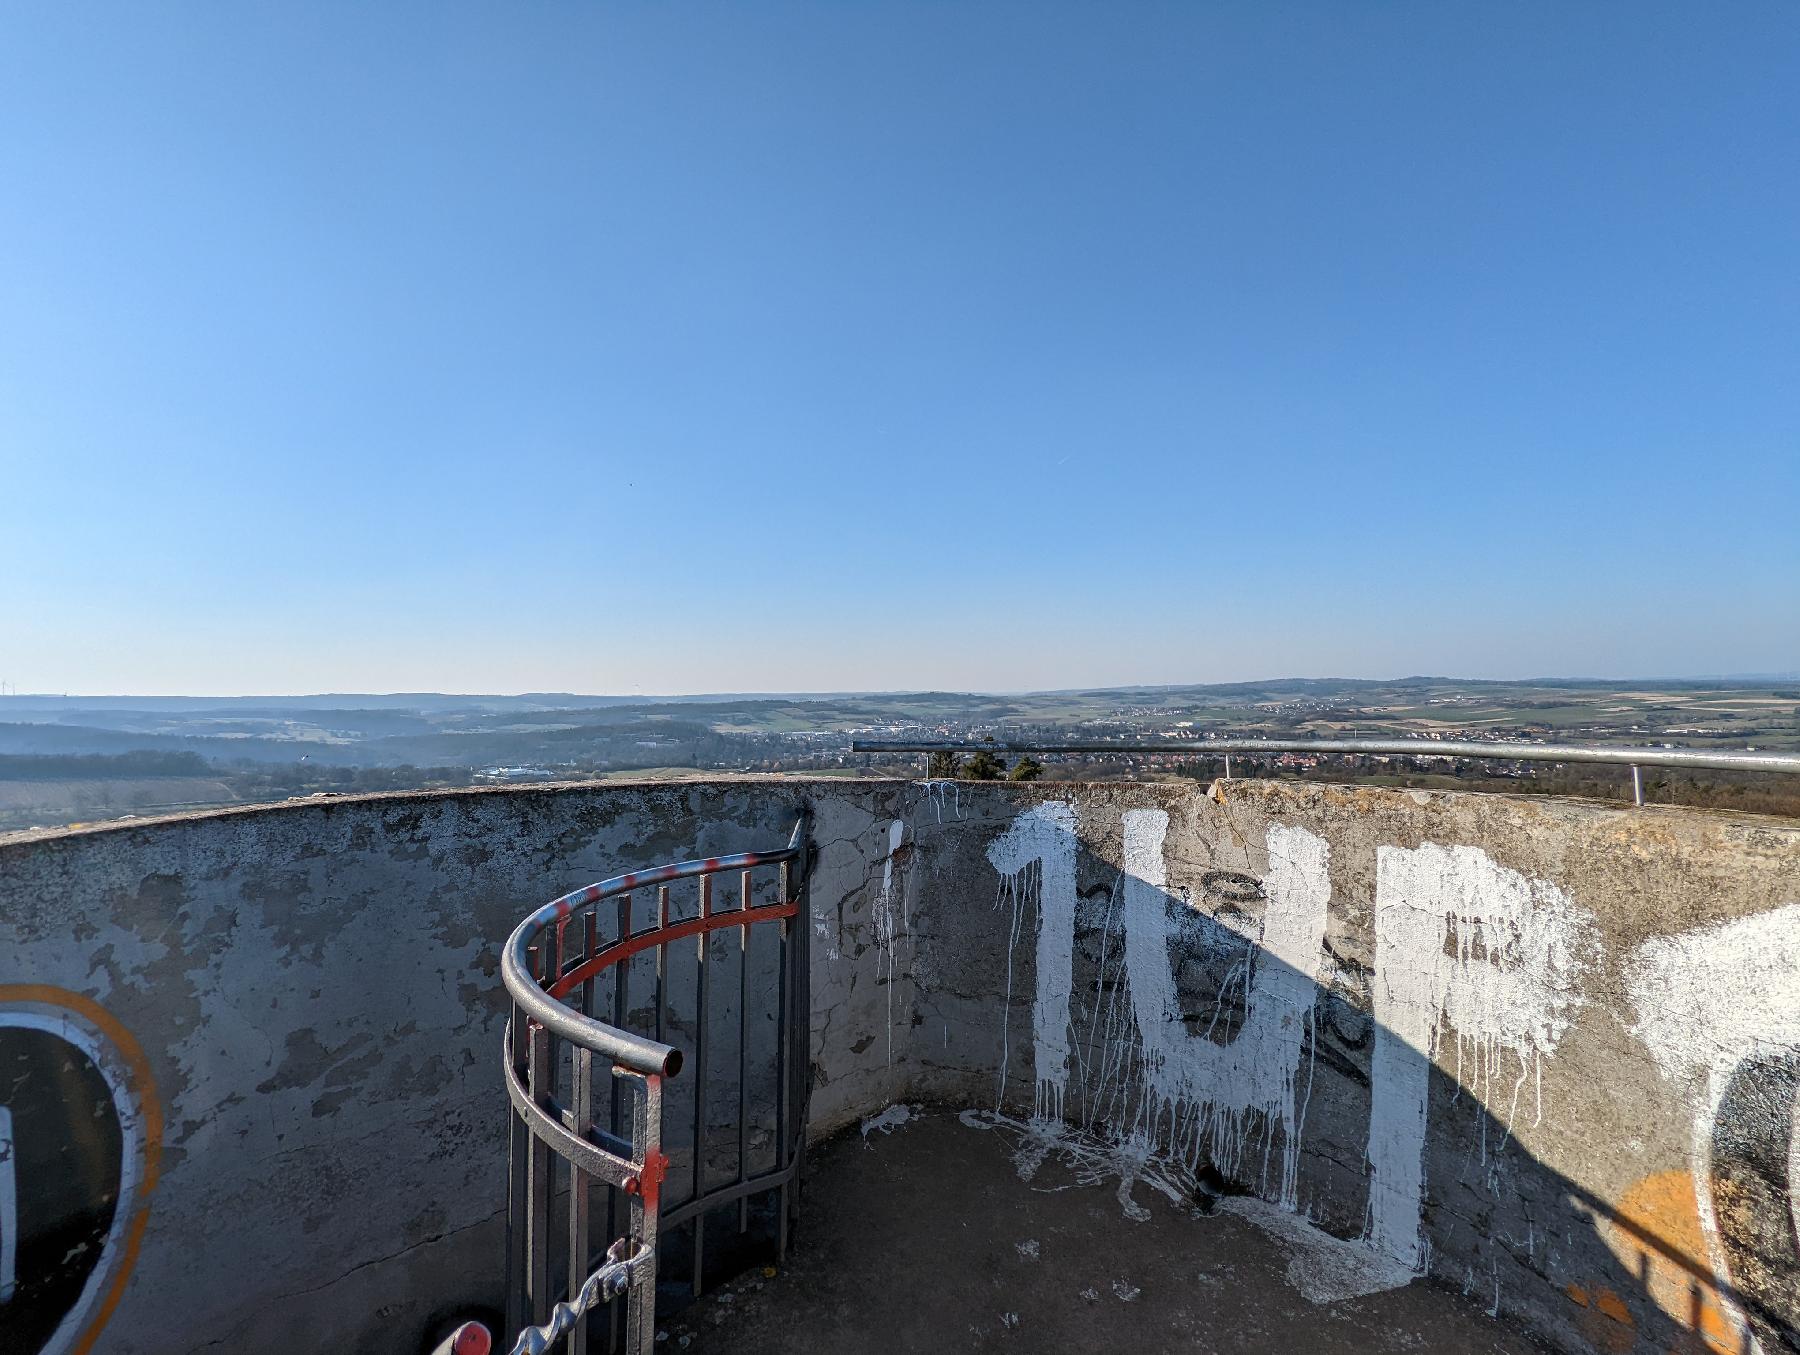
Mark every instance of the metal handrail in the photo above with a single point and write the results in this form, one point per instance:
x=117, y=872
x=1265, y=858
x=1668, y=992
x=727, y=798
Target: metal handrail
x=624, y=1048
x=549, y=966
x=1510, y=752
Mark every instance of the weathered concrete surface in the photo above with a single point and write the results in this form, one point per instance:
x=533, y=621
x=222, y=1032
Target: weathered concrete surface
x=1544, y=1050
x=1540, y=1050
x=315, y=990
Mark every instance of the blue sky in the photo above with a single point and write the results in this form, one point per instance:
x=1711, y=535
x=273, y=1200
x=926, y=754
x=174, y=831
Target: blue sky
x=620, y=347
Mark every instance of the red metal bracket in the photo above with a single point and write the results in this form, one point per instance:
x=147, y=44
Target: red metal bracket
x=648, y=1182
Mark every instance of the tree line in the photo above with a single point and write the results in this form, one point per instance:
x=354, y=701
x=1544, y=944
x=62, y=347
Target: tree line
x=982, y=765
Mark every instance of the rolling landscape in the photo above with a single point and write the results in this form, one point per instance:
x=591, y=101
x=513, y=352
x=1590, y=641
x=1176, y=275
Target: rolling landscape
x=70, y=760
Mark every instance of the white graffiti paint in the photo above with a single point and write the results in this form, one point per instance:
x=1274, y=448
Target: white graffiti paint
x=1793, y=1166
x=1201, y=1096
x=1157, y=1099
x=1036, y=860
x=1321, y=1268
x=890, y=926
x=1093, y=1161
x=941, y=793
x=824, y=931
x=1706, y=1001
x=1473, y=952
x=896, y=1116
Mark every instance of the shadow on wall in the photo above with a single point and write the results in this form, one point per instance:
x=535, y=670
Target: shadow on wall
x=1369, y=1079
x=1220, y=1032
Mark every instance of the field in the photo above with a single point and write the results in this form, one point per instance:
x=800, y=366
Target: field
x=24, y=803
x=69, y=758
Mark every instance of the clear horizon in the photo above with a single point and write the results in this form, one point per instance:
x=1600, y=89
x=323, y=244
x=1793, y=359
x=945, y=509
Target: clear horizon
x=811, y=348
x=1745, y=679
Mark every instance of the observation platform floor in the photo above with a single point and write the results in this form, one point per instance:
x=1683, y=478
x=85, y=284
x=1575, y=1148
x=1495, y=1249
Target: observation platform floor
x=920, y=1234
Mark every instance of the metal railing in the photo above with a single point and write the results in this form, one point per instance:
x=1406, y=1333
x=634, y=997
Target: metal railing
x=1635, y=758
x=552, y=966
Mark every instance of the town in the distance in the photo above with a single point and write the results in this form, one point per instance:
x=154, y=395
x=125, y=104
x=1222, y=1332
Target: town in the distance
x=72, y=759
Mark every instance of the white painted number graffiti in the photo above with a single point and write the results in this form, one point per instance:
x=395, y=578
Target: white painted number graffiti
x=1466, y=951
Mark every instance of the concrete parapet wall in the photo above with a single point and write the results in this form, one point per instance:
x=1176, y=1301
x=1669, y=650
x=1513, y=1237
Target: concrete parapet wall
x=312, y=1004
x=1542, y=1050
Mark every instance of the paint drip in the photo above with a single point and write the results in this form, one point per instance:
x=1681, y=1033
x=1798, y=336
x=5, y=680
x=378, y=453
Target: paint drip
x=942, y=793
x=1036, y=860
x=1145, y=1079
x=1090, y=1158
x=1201, y=1098
x=889, y=927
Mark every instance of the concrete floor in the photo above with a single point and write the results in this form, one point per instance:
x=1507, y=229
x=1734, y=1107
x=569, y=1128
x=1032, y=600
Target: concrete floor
x=927, y=1239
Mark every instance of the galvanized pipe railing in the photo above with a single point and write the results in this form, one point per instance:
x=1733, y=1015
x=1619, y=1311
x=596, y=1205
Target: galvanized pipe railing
x=1694, y=758
x=1512, y=752
x=550, y=966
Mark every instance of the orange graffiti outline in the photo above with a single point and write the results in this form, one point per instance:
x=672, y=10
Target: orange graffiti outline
x=143, y=1086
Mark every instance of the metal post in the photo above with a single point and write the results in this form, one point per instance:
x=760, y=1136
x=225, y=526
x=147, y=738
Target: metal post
x=646, y=1136
x=662, y=964
x=517, y=1146
x=783, y=1077
x=1637, y=785
x=581, y=1097
x=744, y=1055
x=798, y=1020
x=552, y=968
x=700, y=1092
x=538, y=1187
x=662, y=994
x=621, y=988
x=581, y=1101
x=1228, y=766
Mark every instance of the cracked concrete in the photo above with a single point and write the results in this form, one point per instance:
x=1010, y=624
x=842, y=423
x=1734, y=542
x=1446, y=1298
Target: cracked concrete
x=315, y=988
